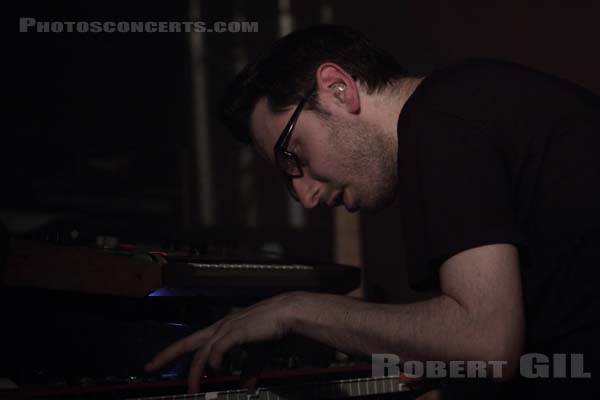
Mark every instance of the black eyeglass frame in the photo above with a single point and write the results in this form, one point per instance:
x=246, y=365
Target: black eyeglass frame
x=285, y=158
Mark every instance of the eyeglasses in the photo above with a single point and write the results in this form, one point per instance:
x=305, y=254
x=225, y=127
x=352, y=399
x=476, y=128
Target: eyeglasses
x=287, y=161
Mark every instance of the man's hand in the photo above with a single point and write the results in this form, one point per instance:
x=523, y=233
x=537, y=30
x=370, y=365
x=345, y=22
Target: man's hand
x=262, y=322
x=478, y=316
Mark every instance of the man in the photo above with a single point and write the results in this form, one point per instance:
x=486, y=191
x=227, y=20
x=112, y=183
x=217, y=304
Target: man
x=496, y=171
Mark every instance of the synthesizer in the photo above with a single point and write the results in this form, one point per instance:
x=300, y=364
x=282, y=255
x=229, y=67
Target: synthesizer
x=89, y=270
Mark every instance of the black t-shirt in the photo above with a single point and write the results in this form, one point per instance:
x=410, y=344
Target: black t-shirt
x=492, y=152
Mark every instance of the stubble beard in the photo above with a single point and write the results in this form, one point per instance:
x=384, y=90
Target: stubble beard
x=368, y=160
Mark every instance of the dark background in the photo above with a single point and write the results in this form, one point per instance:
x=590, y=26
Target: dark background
x=101, y=126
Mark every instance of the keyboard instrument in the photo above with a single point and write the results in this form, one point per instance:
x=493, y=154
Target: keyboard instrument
x=118, y=272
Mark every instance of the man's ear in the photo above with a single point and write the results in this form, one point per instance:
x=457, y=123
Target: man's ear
x=337, y=88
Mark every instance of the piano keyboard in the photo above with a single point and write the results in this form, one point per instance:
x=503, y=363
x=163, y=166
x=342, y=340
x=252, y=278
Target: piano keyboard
x=338, y=389
x=274, y=267
x=335, y=383
x=266, y=278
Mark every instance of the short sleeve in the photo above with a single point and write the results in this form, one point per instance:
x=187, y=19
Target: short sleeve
x=455, y=191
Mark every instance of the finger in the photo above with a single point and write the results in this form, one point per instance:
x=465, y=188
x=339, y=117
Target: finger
x=227, y=339
x=435, y=394
x=339, y=356
x=249, y=381
x=257, y=357
x=177, y=349
x=198, y=364
x=197, y=369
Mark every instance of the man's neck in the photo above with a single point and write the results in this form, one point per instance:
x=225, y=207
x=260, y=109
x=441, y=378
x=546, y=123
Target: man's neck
x=404, y=89
x=386, y=106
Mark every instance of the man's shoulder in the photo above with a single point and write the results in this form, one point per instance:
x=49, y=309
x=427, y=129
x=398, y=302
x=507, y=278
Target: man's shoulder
x=483, y=77
x=469, y=89
x=490, y=90
x=484, y=69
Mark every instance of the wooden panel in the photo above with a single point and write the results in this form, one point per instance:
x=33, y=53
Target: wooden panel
x=79, y=269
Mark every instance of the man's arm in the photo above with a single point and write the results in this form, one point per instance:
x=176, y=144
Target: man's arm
x=478, y=316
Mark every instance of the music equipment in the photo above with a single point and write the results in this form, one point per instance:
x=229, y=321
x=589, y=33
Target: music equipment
x=346, y=382
x=127, y=273
x=130, y=273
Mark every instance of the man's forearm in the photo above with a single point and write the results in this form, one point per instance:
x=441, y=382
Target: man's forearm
x=436, y=329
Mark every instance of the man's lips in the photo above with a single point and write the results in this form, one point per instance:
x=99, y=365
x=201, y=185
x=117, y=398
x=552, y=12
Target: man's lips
x=336, y=199
x=342, y=197
x=348, y=203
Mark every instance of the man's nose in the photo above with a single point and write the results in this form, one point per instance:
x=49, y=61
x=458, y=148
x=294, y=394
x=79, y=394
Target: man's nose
x=308, y=191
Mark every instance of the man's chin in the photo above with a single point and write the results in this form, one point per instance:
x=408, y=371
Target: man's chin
x=380, y=204
x=352, y=209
